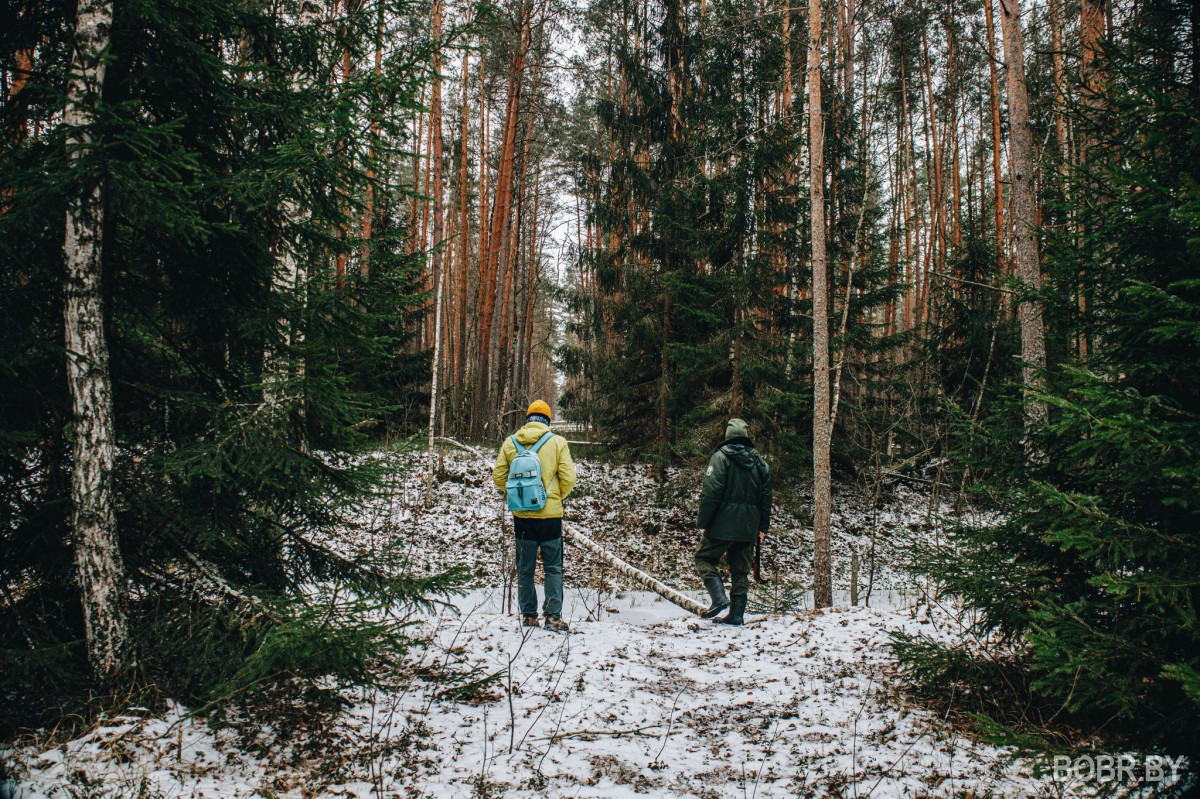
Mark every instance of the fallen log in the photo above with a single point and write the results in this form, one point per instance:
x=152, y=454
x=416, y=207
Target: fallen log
x=633, y=574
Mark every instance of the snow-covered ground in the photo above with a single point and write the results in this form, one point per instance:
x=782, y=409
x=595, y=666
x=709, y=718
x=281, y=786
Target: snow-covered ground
x=641, y=698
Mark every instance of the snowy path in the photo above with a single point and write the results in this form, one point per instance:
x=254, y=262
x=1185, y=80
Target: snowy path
x=648, y=701
x=642, y=701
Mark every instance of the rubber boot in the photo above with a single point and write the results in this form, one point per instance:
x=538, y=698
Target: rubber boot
x=716, y=591
x=737, y=611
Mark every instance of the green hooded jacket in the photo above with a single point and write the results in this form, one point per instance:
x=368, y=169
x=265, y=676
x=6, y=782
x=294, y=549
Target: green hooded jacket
x=735, y=504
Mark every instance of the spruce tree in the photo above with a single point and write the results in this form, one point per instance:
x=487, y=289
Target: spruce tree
x=1089, y=580
x=245, y=377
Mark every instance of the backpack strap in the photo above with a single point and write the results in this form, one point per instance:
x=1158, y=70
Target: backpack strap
x=521, y=448
x=540, y=442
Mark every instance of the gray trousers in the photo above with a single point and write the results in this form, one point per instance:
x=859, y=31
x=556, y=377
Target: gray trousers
x=552, y=565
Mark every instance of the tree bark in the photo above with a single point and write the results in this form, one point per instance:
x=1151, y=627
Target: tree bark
x=1091, y=36
x=997, y=185
x=364, y=258
x=634, y=575
x=464, y=246
x=1025, y=246
x=501, y=207
x=439, y=277
x=99, y=565
x=673, y=36
x=1060, y=87
x=822, y=434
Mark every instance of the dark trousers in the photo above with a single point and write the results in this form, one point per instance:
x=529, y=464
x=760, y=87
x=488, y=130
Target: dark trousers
x=740, y=555
x=532, y=536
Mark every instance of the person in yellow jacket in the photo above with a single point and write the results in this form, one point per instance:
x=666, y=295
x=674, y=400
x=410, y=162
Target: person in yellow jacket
x=541, y=529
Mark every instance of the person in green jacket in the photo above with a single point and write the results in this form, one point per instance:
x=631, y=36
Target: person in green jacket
x=735, y=511
x=540, y=530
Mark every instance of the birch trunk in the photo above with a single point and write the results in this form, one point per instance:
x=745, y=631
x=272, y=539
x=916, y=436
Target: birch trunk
x=291, y=275
x=822, y=434
x=634, y=575
x=1020, y=149
x=100, y=569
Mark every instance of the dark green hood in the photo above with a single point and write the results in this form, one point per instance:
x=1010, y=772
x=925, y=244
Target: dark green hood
x=737, y=428
x=741, y=452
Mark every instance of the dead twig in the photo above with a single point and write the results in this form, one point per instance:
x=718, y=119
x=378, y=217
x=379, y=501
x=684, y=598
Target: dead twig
x=603, y=733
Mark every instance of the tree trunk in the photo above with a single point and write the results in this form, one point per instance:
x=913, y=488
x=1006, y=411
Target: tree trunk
x=1020, y=148
x=1091, y=36
x=1060, y=87
x=673, y=36
x=439, y=277
x=501, y=207
x=433, y=389
x=464, y=248
x=634, y=575
x=21, y=72
x=98, y=561
x=482, y=248
x=822, y=434
x=364, y=257
x=997, y=185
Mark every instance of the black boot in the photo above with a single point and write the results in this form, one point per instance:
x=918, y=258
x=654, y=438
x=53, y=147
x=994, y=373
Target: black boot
x=737, y=610
x=716, y=590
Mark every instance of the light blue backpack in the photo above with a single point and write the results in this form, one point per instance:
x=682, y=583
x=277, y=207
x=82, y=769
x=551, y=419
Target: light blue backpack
x=524, y=487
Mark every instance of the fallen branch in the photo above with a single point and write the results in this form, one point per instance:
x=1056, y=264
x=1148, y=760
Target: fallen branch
x=1000, y=289
x=635, y=575
x=608, y=733
x=463, y=446
x=209, y=572
x=899, y=476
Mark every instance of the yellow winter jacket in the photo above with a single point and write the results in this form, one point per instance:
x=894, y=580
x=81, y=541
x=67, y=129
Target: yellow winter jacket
x=555, y=456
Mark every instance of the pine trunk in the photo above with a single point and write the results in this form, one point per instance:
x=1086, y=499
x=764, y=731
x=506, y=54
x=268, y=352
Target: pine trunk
x=464, y=247
x=997, y=184
x=1025, y=246
x=364, y=258
x=501, y=208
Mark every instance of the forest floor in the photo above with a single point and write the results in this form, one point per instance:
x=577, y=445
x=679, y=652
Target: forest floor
x=640, y=699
